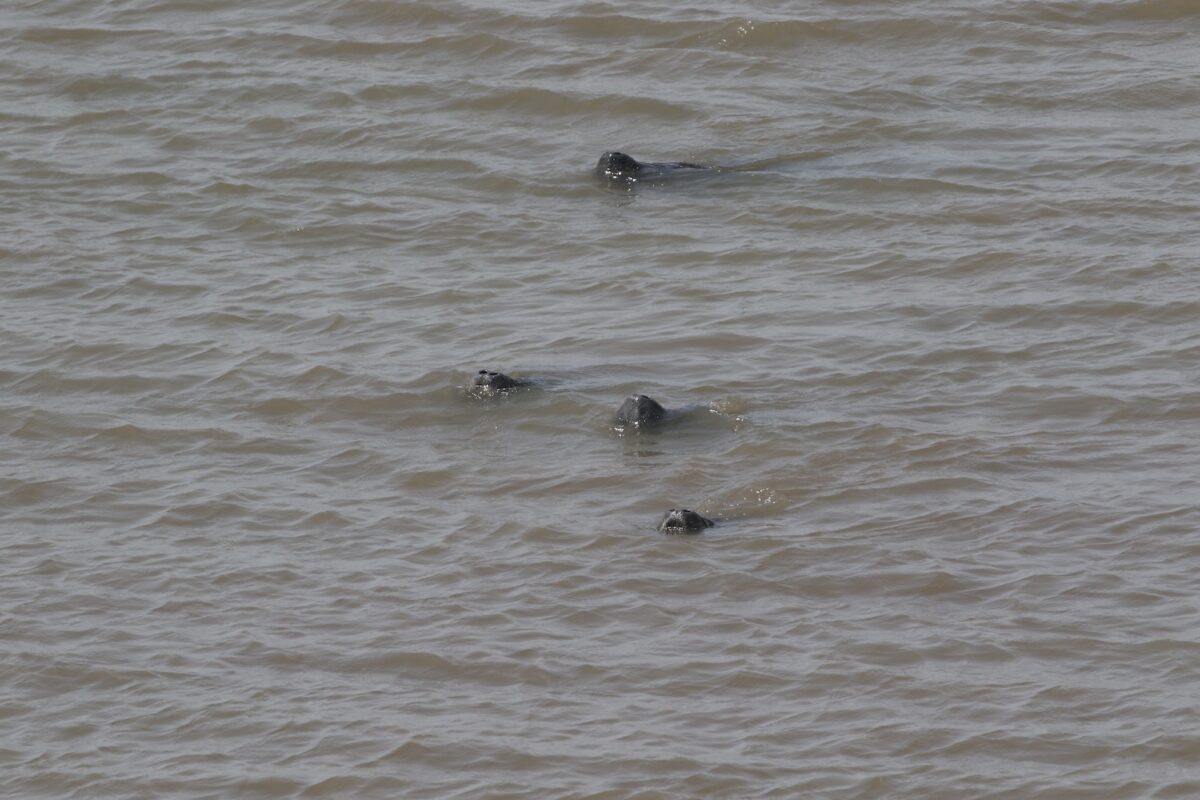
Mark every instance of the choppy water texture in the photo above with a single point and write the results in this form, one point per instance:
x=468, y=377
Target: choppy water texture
x=935, y=332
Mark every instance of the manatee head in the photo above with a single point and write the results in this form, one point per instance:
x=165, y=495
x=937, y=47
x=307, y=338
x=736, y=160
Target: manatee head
x=683, y=520
x=495, y=381
x=618, y=165
x=638, y=410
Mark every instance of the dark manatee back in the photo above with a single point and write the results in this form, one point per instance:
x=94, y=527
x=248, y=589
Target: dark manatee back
x=496, y=381
x=638, y=410
x=683, y=520
x=621, y=167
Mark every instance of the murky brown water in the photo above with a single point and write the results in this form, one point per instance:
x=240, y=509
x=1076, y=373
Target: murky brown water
x=936, y=331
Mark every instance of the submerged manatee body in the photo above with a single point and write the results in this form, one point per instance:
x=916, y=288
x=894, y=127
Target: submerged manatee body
x=615, y=166
x=683, y=520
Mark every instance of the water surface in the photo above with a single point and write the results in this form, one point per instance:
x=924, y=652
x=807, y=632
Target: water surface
x=937, y=332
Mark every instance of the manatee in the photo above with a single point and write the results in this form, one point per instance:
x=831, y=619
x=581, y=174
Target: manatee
x=621, y=167
x=489, y=381
x=639, y=410
x=683, y=520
